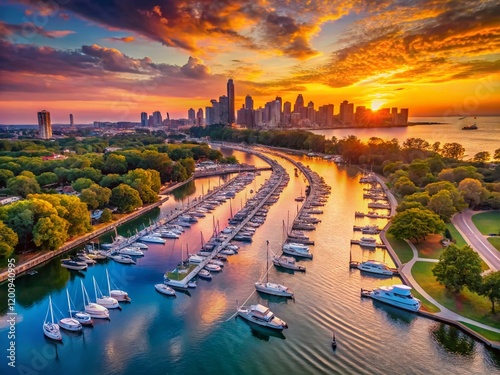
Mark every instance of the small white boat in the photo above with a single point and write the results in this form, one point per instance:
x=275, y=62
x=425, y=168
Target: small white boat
x=287, y=262
x=228, y=252
x=368, y=242
x=297, y=250
x=105, y=301
x=73, y=265
x=70, y=323
x=195, y=259
x=231, y=246
x=165, y=289
x=191, y=284
x=217, y=262
x=169, y=234
x=153, y=239
x=227, y=230
x=204, y=274
x=213, y=267
x=125, y=259
x=274, y=289
x=174, y=283
x=375, y=266
x=82, y=257
x=261, y=315
x=51, y=329
x=139, y=245
x=131, y=251
x=119, y=295
x=396, y=295
x=93, y=309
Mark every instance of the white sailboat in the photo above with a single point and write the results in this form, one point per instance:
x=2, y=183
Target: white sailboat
x=272, y=288
x=81, y=316
x=119, y=295
x=93, y=309
x=70, y=323
x=106, y=301
x=51, y=329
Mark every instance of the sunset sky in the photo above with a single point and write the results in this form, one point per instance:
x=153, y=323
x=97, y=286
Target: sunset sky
x=108, y=60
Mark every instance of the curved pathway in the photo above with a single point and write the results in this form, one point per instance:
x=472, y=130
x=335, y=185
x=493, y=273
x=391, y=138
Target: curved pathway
x=478, y=241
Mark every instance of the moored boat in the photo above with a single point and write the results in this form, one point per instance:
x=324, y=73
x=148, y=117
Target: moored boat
x=298, y=250
x=51, y=329
x=165, y=289
x=396, y=295
x=287, y=262
x=261, y=315
x=375, y=266
x=73, y=265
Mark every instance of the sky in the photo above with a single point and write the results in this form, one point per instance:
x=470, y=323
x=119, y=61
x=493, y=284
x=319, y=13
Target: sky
x=110, y=60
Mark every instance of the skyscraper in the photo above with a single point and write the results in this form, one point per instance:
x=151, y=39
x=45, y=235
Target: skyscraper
x=44, y=125
x=209, y=115
x=199, y=117
x=216, y=114
x=157, y=118
x=299, y=104
x=230, y=98
x=191, y=116
x=71, y=122
x=224, y=110
x=346, y=112
x=144, y=119
x=248, y=102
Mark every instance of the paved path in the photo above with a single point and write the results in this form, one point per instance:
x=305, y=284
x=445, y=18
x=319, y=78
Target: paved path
x=479, y=242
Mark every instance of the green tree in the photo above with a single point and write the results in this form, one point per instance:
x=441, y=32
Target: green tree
x=473, y=191
x=125, y=198
x=5, y=175
x=106, y=216
x=90, y=198
x=404, y=186
x=8, y=240
x=82, y=183
x=146, y=182
x=458, y=268
x=47, y=178
x=115, y=164
x=111, y=181
x=442, y=204
x=453, y=150
x=179, y=173
x=490, y=288
x=496, y=154
x=421, y=197
x=406, y=205
x=20, y=217
x=482, y=157
x=22, y=185
x=417, y=171
x=416, y=223
x=50, y=232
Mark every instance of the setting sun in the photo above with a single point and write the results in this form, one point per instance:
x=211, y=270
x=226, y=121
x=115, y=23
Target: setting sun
x=377, y=103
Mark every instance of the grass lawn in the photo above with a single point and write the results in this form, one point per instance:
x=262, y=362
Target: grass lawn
x=426, y=305
x=495, y=241
x=455, y=234
x=487, y=222
x=467, y=304
x=174, y=275
x=431, y=247
x=402, y=249
x=490, y=335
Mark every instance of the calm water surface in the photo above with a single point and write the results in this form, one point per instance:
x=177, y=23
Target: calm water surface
x=197, y=333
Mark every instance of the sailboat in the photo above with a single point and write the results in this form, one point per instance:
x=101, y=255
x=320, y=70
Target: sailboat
x=106, y=301
x=93, y=309
x=272, y=288
x=70, y=323
x=81, y=316
x=119, y=295
x=51, y=329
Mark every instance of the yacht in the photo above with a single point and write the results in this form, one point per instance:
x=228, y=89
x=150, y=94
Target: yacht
x=153, y=239
x=213, y=267
x=119, y=295
x=174, y=283
x=169, y=234
x=287, y=262
x=191, y=284
x=139, y=245
x=165, y=289
x=297, y=249
x=375, y=266
x=105, y=301
x=70, y=323
x=396, y=295
x=131, y=251
x=121, y=258
x=261, y=315
x=93, y=309
x=204, y=274
x=73, y=265
x=51, y=329
x=368, y=242
x=196, y=259
x=274, y=289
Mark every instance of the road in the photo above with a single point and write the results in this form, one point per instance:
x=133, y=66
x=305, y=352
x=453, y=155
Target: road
x=463, y=222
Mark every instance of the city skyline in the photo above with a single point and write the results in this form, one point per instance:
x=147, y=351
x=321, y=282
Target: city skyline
x=113, y=60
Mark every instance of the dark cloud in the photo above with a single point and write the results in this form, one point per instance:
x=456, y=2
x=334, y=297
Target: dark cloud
x=28, y=30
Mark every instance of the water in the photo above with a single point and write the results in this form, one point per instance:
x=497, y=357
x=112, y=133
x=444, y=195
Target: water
x=486, y=138
x=197, y=333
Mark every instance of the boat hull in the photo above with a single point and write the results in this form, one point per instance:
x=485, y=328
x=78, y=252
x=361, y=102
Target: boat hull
x=70, y=324
x=401, y=305
x=52, y=331
x=261, y=287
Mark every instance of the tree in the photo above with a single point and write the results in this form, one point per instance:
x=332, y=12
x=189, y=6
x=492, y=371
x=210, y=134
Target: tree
x=5, y=175
x=406, y=205
x=482, y=157
x=179, y=173
x=458, y=268
x=8, y=240
x=90, y=198
x=416, y=144
x=473, y=191
x=111, y=180
x=22, y=185
x=417, y=171
x=404, y=186
x=125, y=198
x=453, y=151
x=490, y=287
x=115, y=164
x=47, y=178
x=106, y=216
x=50, y=232
x=416, y=223
x=442, y=204
x=82, y=183
x=146, y=182
x=496, y=154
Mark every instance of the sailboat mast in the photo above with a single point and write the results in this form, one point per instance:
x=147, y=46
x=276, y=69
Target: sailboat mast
x=83, y=294
x=107, y=276
x=267, y=263
x=69, y=305
x=51, y=312
x=95, y=289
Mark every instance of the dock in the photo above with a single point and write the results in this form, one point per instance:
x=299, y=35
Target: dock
x=371, y=215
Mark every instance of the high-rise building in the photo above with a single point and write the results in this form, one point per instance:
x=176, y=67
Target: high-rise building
x=151, y=121
x=199, y=117
x=325, y=115
x=209, y=115
x=157, y=118
x=299, y=104
x=310, y=112
x=191, y=116
x=71, y=121
x=144, y=119
x=224, y=110
x=216, y=107
x=230, y=98
x=44, y=125
x=278, y=98
x=346, y=112
x=248, y=102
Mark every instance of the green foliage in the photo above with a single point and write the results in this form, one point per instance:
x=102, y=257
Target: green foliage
x=82, y=183
x=106, y=216
x=442, y=204
x=111, y=181
x=416, y=223
x=22, y=185
x=125, y=198
x=417, y=171
x=421, y=197
x=406, y=205
x=458, y=268
x=146, y=182
x=115, y=164
x=47, y=178
x=404, y=186
x=473, y=191
x=453, y=151
x=482, y=157
x=8, y=240
x=5, y=175
x=490, y=288
x=50, y=232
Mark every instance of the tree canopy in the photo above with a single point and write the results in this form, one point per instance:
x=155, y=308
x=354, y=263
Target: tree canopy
x=416, y=223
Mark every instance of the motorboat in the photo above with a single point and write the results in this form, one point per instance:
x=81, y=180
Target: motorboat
x=228, y=252
x=204, y=274
x=396, y=295
x=82, y=257
x=228, y=229
x=195, y=259
x=81, y=316
x=165, y=289
x=131, y=251
x=375, y=266
x=287, y=262
x=174, y=283
x=183, y=224
x=153, y=239
x=73, y=265
x=51, y=329
x=188, y=219
x=231, y=246
x=169, y=234
x=216, y=262
x=140, y=245
x=213, y=267
x=368, y=242
x=261, y=315
x=297, y=249
x=118, y=239
x=274, y=289
x=192, y=284
x=70, y=324
x=105, y=301
x=93, y=309
x=121, y=258
x=119, y=295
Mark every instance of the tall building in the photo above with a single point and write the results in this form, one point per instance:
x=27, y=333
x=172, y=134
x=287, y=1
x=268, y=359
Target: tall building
x=199, y=117
x=144, y=119
x=157, y=118
x=230, y=98
x=44, y=125
x=248, y=102
x=287, y=111
x=191, y=116
x=311, y=116
x=71, y=121
x=346, y=112
x=209, y=115
x=216, y=115
x=299, y=104
x=224, y=110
